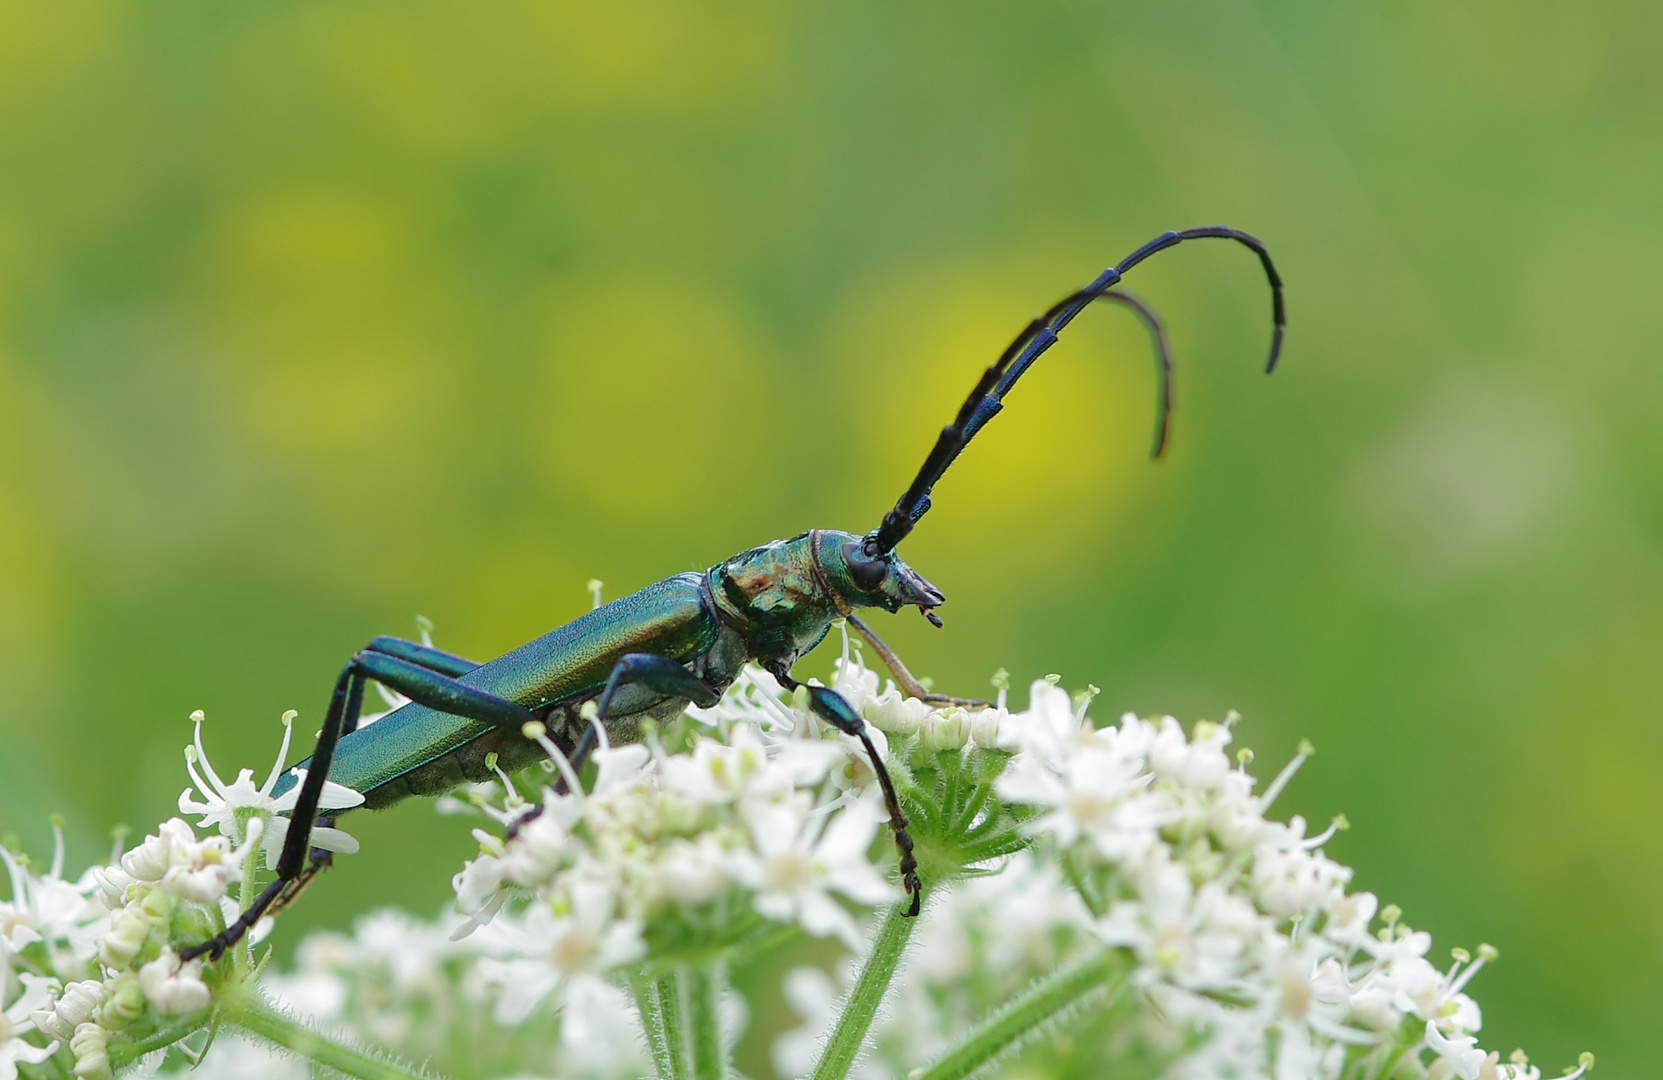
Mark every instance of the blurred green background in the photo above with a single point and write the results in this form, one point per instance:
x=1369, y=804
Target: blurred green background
x=314, y=317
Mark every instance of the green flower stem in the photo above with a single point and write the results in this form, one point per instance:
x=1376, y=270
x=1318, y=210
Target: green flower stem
x=702, y=990
x=856, y=1019
x=123, y=1054
x=1030, y=1014
x=257, y=1018
x=649, y=999
x=673, y=1014
x=986, y=847
x=973, y=805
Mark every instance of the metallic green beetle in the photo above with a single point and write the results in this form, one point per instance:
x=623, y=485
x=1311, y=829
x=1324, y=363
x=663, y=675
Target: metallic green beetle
x=680, y=640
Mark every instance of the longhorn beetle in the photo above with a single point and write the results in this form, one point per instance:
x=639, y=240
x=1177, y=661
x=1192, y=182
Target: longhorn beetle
x=681, y=640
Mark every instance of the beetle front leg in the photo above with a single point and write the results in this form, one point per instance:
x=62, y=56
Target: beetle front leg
x=904, y=679
x=829, y=706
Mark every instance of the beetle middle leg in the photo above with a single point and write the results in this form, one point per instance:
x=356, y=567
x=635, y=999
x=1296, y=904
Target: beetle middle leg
x=656, y=672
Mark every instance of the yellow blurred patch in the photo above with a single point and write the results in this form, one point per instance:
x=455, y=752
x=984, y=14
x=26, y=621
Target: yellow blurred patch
x=655, y=403
x=511, y=592
x=455, y=81
x=1051, y=473
x=40, y=40
x=332, y=317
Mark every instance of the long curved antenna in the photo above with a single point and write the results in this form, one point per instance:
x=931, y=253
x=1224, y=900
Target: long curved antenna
x=987, y=398
x=1163, y=366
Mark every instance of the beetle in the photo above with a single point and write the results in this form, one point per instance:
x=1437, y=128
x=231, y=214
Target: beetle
x=679, y=641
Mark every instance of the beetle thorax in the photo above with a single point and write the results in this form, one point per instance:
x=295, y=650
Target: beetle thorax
x=777, y=597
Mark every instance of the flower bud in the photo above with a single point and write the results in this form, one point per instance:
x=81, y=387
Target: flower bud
x=126, y=938
x=984, y=727
x=90, y=1045
x=945, y=731
x=125, y=1003
x=76, y=1005
x=112, y=883
x=148, y=861
x=159, y=906
x=174, y=989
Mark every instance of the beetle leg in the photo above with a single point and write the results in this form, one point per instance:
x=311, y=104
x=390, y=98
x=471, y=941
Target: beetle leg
x=909, y=685
x=658, y=673
x=348, y=698
x=829, y=706
x=412, y=679
x=437, y=691
x=425, y=656
x=649, y=669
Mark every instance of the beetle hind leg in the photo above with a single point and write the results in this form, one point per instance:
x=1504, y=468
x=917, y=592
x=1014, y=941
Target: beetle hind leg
x=419, y=672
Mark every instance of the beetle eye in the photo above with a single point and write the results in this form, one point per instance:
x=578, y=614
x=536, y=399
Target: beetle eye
x=867, y=572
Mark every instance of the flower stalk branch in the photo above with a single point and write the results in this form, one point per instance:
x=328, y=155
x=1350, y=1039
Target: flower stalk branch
x=254, y=1016
x=1094, y=981
x=861, y=1005
x=702, y=987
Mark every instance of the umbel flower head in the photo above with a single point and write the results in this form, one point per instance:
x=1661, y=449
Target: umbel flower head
x=103, y=960
x=1121, y=884
x=688, y=839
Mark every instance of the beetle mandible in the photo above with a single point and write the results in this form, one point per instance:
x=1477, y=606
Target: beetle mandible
x=680, y=640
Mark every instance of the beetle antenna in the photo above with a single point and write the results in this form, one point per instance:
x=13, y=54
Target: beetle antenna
x=987, y=398
x=1163, y=366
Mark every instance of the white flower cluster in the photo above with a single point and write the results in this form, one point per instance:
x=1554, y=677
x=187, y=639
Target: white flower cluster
x=98, y=956
x=401, y=982
x=681, y=841
x=49, y=925
x=1241, y=940
x=1216, y=943
x=108, y=948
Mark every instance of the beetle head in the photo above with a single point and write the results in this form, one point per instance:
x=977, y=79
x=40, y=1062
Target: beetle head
x=864, y=579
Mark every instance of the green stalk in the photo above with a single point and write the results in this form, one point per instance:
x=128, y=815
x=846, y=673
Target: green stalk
x=673, y=1016
x=702, y=985
x=651, y=1006
x=950, y=766
x=1029, y=1014
x=125, y=1053
x=257, y=1018
x=856, y=1019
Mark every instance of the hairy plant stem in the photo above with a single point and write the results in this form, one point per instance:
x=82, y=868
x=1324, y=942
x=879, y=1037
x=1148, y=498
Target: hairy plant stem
x=862, y=1005
x=250, y=1014
x=649, y=1000
x=702, y=987
x=1031, y=1014
x=125, y=1053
